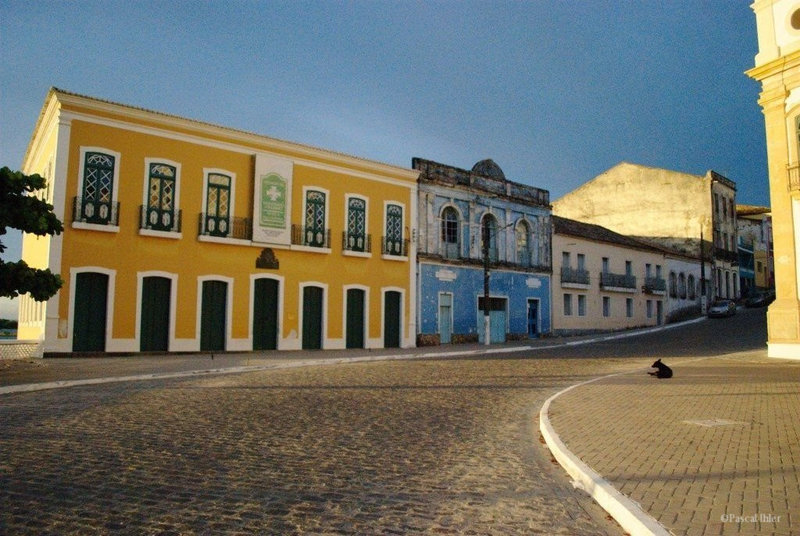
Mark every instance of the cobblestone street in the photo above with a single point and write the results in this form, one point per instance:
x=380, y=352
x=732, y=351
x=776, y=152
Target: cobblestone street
x=445, y=446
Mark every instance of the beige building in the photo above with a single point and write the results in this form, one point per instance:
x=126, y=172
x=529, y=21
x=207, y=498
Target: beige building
x=777, y=67
x=685, y=213
x=604, y=281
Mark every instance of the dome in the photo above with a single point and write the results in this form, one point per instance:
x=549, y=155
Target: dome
x=489, y=168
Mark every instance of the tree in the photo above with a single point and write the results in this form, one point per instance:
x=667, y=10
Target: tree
x=20, y=209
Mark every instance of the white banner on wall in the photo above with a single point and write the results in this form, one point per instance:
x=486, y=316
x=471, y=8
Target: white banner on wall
x=272, y=202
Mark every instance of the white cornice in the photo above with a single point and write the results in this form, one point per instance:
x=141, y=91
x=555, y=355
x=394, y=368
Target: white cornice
x=240, y=141
x=42, y=131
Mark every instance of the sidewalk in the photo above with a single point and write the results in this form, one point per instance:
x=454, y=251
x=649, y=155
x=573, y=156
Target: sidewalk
x=713, y=450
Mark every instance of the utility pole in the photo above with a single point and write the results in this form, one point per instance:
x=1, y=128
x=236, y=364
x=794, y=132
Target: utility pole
x=703, y=297
x=485, y=248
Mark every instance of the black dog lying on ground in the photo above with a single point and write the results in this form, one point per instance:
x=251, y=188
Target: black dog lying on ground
x=663, y=370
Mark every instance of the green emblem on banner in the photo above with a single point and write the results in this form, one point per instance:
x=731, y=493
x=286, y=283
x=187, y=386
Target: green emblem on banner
x=273, y=201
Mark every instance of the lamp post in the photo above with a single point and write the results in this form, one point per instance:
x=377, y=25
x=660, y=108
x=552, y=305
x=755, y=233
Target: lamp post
x=703, y=296
x=486, y=322
x=486, y=235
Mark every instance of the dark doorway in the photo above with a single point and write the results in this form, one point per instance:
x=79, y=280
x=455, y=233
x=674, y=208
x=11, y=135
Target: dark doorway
x=154, y=326
x=312, y=318
x=89, y=321
x=265, y=314
x=212, y=319
x=391, y=320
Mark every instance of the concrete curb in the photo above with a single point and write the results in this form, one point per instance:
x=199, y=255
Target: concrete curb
x=625, y=511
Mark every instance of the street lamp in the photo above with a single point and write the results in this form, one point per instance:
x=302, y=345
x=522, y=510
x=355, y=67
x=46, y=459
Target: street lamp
x=486, y=235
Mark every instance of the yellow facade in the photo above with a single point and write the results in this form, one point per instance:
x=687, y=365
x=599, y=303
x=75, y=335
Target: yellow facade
x=777, y=67
x=130, y=250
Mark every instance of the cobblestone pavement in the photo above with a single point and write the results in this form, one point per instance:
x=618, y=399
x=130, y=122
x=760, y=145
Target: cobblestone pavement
x=714, y=450
x=446, y=446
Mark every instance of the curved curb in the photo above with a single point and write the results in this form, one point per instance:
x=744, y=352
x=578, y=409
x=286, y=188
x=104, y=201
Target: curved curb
x=624, y=510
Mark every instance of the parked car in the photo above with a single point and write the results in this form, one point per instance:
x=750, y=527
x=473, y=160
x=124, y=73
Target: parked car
x=760, y=299
x=722, y=308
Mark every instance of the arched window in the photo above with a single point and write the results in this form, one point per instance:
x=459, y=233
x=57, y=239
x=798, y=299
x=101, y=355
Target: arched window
x=673, y=285
x=692, y=290
x=682, y=285
x=489, y=237
x=523, y=234
x=450, y=247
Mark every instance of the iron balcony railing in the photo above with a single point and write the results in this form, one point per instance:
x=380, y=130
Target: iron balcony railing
x=654, y=284
x=356, y=242
x=393, y=246
x=239, y=228
x=609, y=280
x=794, y=177
x=159, y=220
x=574, y=275
x=86, y=211
x=311, y=237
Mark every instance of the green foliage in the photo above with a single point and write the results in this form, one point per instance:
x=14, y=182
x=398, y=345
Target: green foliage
x=20, y=209
x=8, y=324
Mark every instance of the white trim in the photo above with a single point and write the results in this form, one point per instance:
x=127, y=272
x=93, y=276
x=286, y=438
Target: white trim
x=56, y=242
x=228, y=308
x=439, y=310
x=280, y=343
x=324, y=343
x=405, y=341
x=276, y=147
x=232, y=197
x=115, y=187
x=783, y=350
x=403, y=228
x=161, y=234
x=110, y=291
x=366, y=289
x=173, y=300
x=146, y=195
x=347, y=197
x=361, y=254
x=95, y=227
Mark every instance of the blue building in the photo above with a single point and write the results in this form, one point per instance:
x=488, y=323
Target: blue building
x=457, y=210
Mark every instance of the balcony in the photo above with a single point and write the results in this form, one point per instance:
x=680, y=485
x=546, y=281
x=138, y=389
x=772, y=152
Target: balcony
x=655, y=285
x=238, y=228
x=95, y=212
x=153, y=219
x=621, y=282
x=794, y=177
x=394, y=247
x=311, y=237
x=574, y=276
x=359, y=243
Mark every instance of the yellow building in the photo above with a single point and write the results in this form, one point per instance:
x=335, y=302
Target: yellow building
x=777, y=67
x=185, y=236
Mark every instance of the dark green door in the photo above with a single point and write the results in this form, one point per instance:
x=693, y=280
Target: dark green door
x=355, y=318
x=89, y=321
x=154, y=328
x=391, y=320
x=312, y=318
x=212, y=319
x=265, y=315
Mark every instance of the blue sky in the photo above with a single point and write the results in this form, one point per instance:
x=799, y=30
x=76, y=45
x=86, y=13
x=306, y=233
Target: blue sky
x=554, y=91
